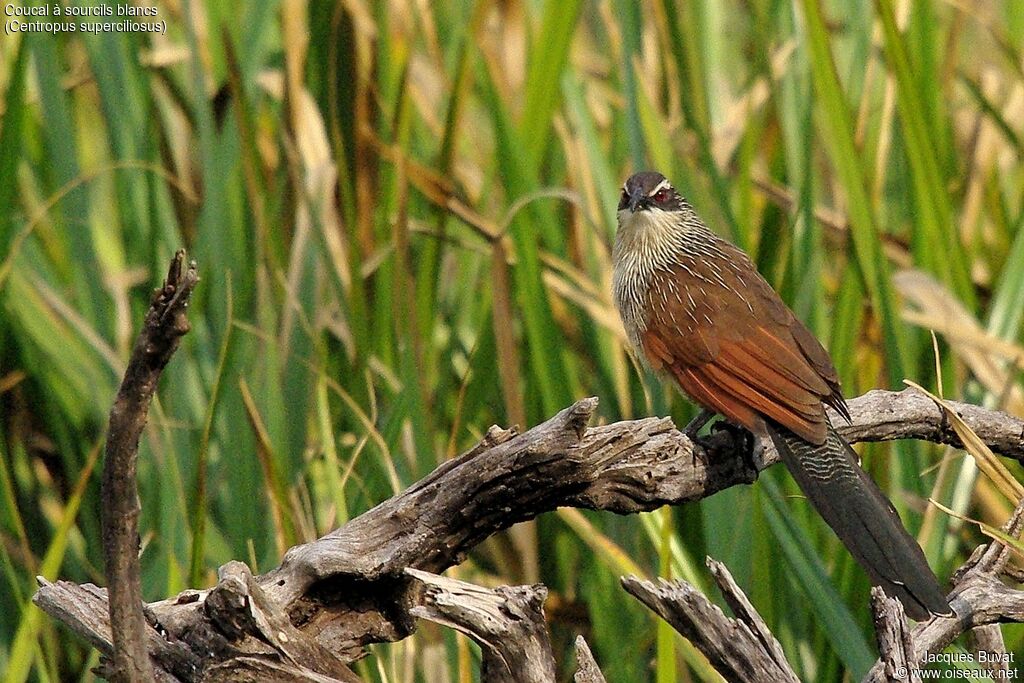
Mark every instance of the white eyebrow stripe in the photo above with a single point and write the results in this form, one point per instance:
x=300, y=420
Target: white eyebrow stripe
x=663, y=185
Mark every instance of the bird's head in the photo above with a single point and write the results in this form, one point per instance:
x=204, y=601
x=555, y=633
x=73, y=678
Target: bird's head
x=649, y=190
x=652, y=212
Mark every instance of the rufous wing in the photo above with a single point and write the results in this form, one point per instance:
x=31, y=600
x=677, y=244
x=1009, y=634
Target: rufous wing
x=741, y=354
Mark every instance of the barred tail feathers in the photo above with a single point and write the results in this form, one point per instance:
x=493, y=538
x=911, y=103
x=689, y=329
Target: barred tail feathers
x=863, y=518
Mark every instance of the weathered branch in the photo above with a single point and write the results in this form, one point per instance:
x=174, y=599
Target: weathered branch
x=988, y=639
x=741, y=648
x=507, y=622
x=164, y=326
x=587, y=670
x=979, y=599
x=349, y=589
x=238, y=605
x=84, y=610
x=895, y=647
x=888, y=415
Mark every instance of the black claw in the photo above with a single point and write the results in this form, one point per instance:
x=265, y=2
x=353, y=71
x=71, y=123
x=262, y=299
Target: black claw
x=742, y=441
x=697, y=423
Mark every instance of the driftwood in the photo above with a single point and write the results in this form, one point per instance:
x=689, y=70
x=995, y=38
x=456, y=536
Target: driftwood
x=163, y=328
x=741, y=649
x=310, y=617
x=587, y=670
x=895, y=647
x=979, y=599
x=507, y=622
x=989, y=639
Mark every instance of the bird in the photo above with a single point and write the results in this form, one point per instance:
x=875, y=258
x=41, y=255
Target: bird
x=697, y=312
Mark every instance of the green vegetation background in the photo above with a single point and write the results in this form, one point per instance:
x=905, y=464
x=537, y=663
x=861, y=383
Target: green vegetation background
x=402, y=212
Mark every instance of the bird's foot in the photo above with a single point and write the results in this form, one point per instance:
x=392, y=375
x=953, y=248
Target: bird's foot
x=743, y=441
x=697, y=423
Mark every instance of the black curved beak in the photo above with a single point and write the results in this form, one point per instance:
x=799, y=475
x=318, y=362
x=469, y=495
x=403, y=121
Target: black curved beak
x=637, y=202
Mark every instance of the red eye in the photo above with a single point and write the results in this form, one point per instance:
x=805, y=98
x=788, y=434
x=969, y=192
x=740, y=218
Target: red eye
x=661, y=196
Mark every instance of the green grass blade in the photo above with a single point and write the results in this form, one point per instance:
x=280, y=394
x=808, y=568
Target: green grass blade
x=820, y=595
x=837, y=128
x=199, y=509
x=938, y=246
x=11, y=139
x=548, y=56
x=25, y=640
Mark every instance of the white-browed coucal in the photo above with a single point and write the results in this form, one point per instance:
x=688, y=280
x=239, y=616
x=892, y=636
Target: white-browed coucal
x=696, y=310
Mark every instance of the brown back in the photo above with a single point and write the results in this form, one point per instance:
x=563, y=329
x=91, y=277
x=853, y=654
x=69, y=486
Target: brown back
x=736, y=348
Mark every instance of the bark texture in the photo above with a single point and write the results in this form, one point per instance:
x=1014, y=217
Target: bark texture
x=369, y=580
x=164, y=326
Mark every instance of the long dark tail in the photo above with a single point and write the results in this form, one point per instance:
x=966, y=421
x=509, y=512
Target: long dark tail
x=863, y=518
